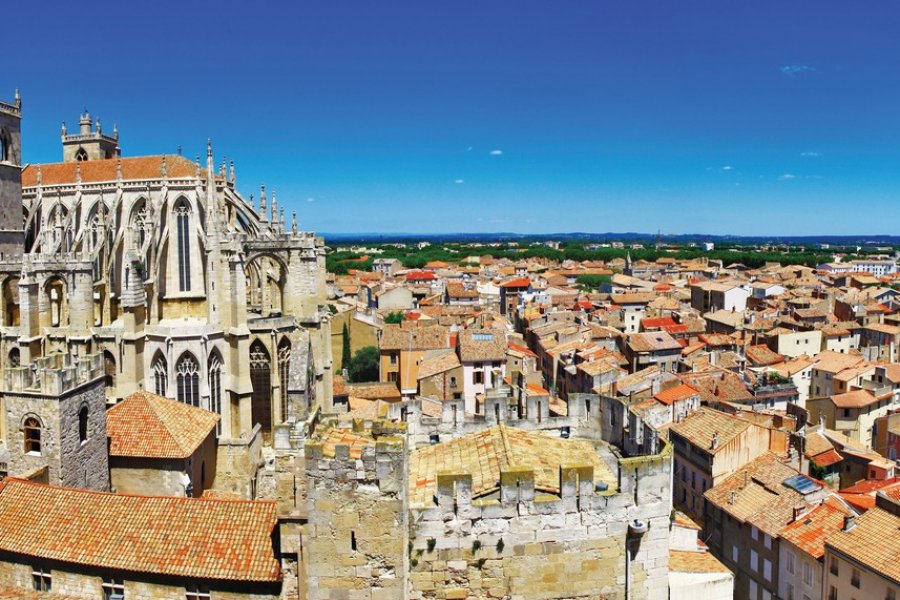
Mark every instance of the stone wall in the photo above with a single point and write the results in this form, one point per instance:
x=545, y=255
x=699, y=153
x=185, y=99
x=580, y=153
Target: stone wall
x=74, y=581
x=71, y=462
x=583, y=419
x=237, y=463
x=531, y=545
x=146, y=477
x=356, y=544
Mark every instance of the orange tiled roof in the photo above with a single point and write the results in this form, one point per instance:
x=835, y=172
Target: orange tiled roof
x=854, y=399
x=809, y=531
x=485, y=453
x=757, y=494
x=92, y=171
x=700, y=427
x=674, y=394
x=687, y=561
x=339, y=436
x=872, y=542
x=523, y=282
x=182, y=537
x=149, y=426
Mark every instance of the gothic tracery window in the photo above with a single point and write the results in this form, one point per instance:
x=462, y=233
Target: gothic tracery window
x=284, y=365
x=187, y=379
x=261, y=380
x=215, y=388
x=182, y=222
x=160, y=372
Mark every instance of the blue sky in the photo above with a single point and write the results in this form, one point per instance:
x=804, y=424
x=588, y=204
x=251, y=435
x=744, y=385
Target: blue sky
x=768, y=118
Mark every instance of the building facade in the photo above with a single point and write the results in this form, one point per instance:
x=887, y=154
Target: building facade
x=162, y=269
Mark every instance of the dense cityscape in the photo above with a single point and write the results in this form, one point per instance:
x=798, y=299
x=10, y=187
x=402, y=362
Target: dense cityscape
x=202, y=401
x=434, y=301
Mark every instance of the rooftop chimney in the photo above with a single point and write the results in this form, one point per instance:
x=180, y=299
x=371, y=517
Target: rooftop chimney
x=849, y=522
x=715, y=441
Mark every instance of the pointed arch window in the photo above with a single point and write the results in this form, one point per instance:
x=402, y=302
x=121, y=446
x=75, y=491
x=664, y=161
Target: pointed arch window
x=215, y=388
x=187, y=378
x=261, y=380
x=182, y=224
x=160, y=372
x=284, y=368
x=4, y=146
x=81, y=155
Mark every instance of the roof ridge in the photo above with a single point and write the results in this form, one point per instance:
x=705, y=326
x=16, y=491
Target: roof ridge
x=164, y=422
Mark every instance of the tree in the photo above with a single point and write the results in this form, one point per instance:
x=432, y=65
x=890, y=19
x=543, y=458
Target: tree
x=345, y=347
x=590, y=283
x=395, y=318
x=364, y=365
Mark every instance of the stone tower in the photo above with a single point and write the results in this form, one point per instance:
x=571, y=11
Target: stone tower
x=11, y=231
x=90, y=143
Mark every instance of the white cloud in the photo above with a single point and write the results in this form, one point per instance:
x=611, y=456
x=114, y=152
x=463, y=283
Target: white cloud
x=795, y=70
x=787, y=177
x=496, y=152
x=459, y=181
x=727, y=168
x=810, y=154
x=310, y=199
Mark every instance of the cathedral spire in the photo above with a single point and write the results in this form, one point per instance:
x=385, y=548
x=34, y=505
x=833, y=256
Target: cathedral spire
x=294, y=222
x=274, y=209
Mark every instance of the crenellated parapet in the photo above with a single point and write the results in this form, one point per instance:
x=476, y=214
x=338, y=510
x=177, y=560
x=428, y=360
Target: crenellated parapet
x=53, y=375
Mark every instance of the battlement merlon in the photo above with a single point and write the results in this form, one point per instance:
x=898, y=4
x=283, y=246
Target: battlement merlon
x=383, y=461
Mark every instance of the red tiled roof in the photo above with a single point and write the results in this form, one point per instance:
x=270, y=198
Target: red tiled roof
x=519, y=282
x=827, y=458
x=136, y=167
x=149, y=426
x=522, y=349
x=854, y=399
x=657, y=322
x=809, y=531
x=674, y=394
x=420, y=276
x=183, y=537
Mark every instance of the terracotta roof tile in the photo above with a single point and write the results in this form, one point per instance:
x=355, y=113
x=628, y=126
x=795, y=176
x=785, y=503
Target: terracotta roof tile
x=810, y=531
x=873, y=542
x=687, y=561
x=183, y=537
x=149, y=426
x=133, y=168
x=486, y=453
